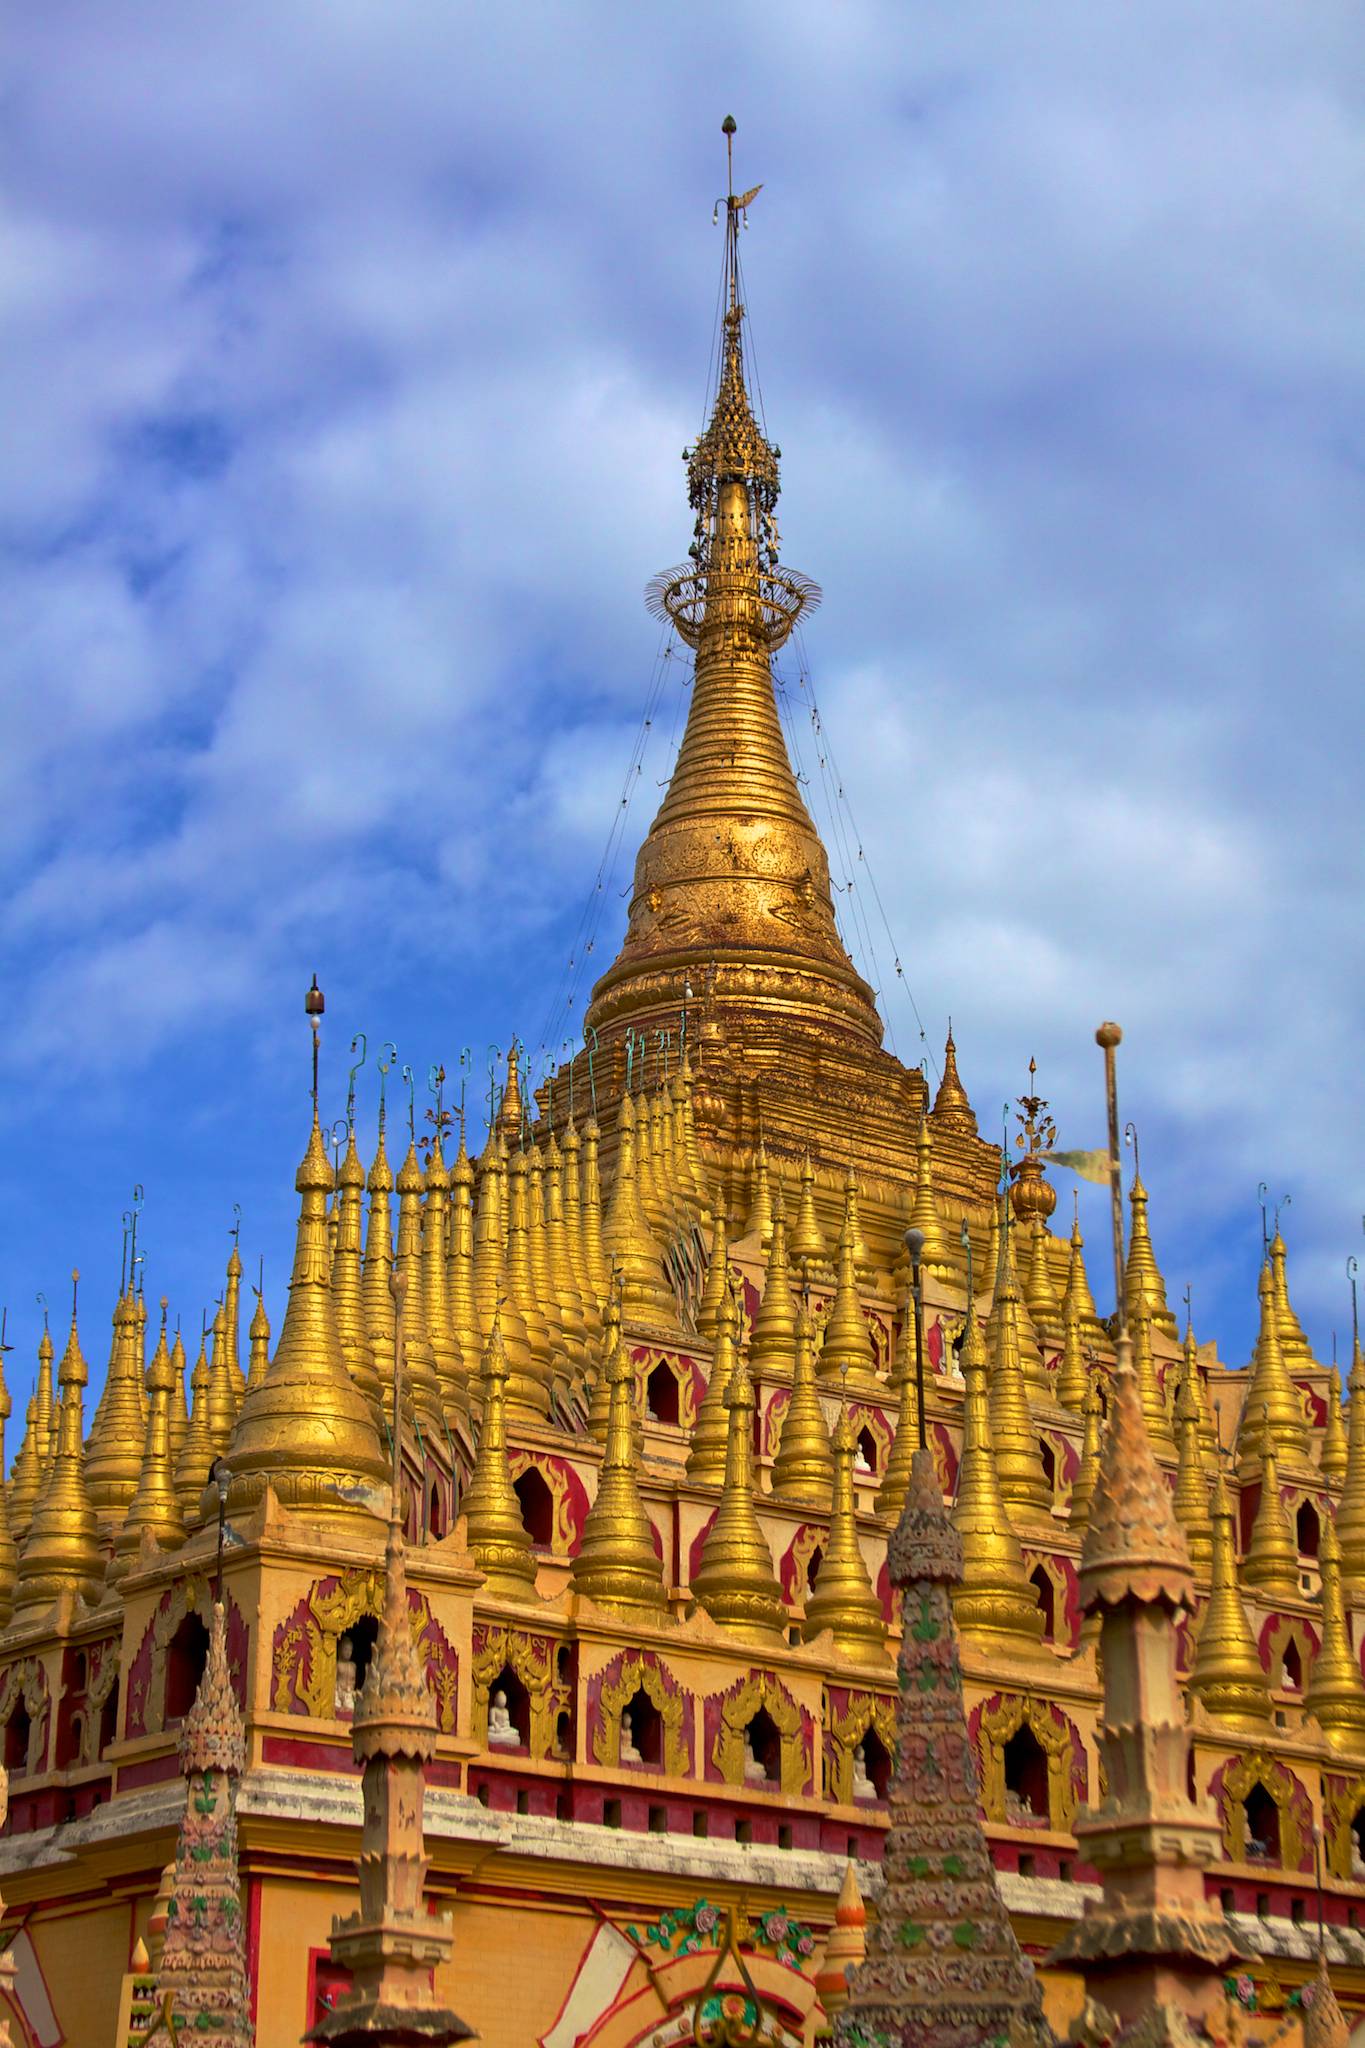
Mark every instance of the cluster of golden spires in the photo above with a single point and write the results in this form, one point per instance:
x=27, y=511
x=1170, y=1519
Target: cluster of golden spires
x=512, y=1295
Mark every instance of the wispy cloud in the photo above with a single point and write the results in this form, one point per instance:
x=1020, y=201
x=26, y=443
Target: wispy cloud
x=350, y=356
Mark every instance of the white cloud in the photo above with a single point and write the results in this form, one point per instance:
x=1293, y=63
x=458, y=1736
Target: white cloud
x=353, y=354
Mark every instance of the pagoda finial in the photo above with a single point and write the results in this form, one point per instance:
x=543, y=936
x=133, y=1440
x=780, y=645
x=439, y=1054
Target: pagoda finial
x=734, y=1580
x=952, y=1110
x=154, y=1509
x=496, y=1533
x=61, y=1554
x=1227, y=1675
x=772, y=1341
x=617, y=1565
x=306, y=1430
x=803, y=1470
x=1272, y=1560
x=992, y=1594
x=843, y=1600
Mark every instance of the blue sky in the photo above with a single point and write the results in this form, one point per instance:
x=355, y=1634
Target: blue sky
x=347, y=356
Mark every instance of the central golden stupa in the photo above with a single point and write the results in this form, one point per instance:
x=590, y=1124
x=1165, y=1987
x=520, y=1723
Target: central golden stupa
x=662, y=1391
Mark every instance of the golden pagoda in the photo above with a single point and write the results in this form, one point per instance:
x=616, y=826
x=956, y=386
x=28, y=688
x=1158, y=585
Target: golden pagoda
x=661, y=1593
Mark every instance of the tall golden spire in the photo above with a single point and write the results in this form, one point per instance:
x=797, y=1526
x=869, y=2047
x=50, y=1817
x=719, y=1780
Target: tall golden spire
x=1150, y=1391
x=732, y=882
x=924, y=1216
x=259, y=1333
x=617, y=1565
x=952, y=1111
x=1332, y=1452
x=734, y=1580
x=567, y=1351
x=772, y=1342
x=30, y=1467
x=1073, y=1377
x=61, y=1554
x=348, y=1286
x=532, y=1377
x=222, y=1394
x=847, y=1344
x=843, y=1600
x=154, y=1509
x=706, y=1456
x=1295, y=1346
x=1336, y=1690
x=1271, y=1391
x=179, y=1410
x=1191, y=1498
x=573, y=1319
x=760, y=1219
x=594, y=1249
x=46, y=1415
x=490, y=1237
x=1083, y=1486
x=113, y=1456
x=994, y=1595
x=307, y=1429
x=646, y=1169
x=803, y=1470
x=599, y=1406
x=895, y=1487
x=687, y=1166
x=197, y=1452
x=807, y=1244
x=376, y=1298
x=464, y=1314
x=422, y=1374
x=717, y=1285
x=1018, y=1461
x=1227, y=1674
x=1142, y=1276
x=1045, y=1310
x=1271, y=1563
x=1351, y=1511
x=1078, y=1288
x=232, y=1303
x=1006, y=1274
x=628, y=1240
x=495, y=1531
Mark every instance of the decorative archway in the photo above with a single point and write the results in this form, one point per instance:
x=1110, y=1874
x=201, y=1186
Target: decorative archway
x=612, y=1691
x=24, y=1686
x=1001, y=1717
x=532, y=1657
x=648, y=1363
x=568, y=1506
x=303, y=1669
x=848, y=1717
x=1343, y=1804
x=729, y=1716
x=145, y=1713
x=1233, y=1783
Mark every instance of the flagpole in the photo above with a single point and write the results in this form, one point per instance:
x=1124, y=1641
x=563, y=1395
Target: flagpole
x=1109, y=1036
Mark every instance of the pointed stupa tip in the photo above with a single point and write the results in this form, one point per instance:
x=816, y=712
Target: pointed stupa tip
x=1134, y=1546
x=952, y=1110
